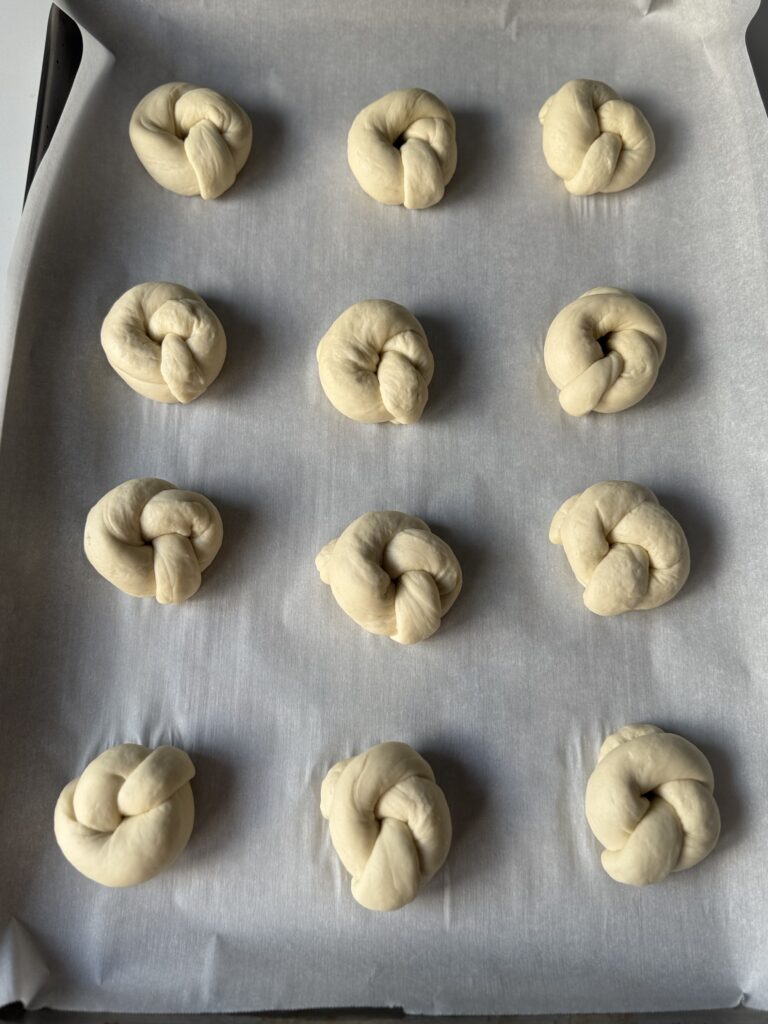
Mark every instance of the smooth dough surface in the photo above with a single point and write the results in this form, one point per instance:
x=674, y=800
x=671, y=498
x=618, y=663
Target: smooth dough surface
x=649, y=803
x=402, y=148
x=164, y=341
x=375, y=363
x=614, y=375
x=151, y=539
x=192, y=141
x=392, y=575
x=389, y=823
x=128, y=816
x=594, y=140
x=624, y=548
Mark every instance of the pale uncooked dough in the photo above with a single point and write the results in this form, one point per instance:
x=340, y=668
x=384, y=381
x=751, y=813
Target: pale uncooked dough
x=649, y=803
x=402, y=148
x=192, y=141
x=392, y=575
x=389, y=823
x=375, y=363
x=128, y=816
x=624, y=548
x=590, y=378
x=152, y=540
x=164, y=341
x=594, y=140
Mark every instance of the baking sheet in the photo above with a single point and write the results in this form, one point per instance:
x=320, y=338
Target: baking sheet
x=261, y=677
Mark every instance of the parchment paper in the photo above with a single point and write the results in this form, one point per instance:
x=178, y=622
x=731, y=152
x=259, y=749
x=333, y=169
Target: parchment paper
x=261, y=677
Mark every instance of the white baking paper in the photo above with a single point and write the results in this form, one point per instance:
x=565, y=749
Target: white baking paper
x=261, y=677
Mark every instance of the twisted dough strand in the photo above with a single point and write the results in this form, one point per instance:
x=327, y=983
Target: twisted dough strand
x=128, y=816
x=593, y=380
x=624, y=548
x=649, y=802
x=375, y=363
x=594, y=140
x=150, y=539
x=402, y=148
x=164, y=342
x=392, y=575
x=389, y=823
x=192, y=141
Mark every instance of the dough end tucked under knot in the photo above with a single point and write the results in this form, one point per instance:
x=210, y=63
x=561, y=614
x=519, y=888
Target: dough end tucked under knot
x=389, y=823
x=128, y=816
x=626, y=550
x=649, y=802
x=392, y=575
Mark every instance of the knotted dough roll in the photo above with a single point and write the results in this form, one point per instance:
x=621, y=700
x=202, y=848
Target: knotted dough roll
x=389, y=823
x=402, y=148
x=614, y=375
x=375, y=363
x=392, y=575
x=128, y=816
x=649, y=803
x=594, y=140
x=624, y=548
x=191, y=141
x=164, y=341
x=150, y=539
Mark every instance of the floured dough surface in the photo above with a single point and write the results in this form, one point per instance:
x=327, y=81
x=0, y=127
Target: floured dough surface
x=164, y=342
x=626, y=550
x=603, y=351
x=593, y=139
x=128, y=816
x=151, y=539
x=392, y=575
x=402, y=148
x=191, y=140
x=375, y=363
x=649, y=802
x=389, y=823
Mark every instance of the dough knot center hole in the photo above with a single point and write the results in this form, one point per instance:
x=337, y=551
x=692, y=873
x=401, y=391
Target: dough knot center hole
x=603, y=340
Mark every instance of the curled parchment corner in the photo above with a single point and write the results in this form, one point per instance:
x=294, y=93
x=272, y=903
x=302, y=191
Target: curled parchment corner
x=23, y=971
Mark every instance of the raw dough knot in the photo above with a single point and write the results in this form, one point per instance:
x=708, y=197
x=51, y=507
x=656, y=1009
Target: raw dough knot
x=164, y=341
x=392, y=575
x=649, y=802
x=603, y=351
x=152, y=540
x=594, y=140
x=129, y=815
x=389, y=823
x=402, y=148
x=624, y=548
x=375, y=363
x=191, y=141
